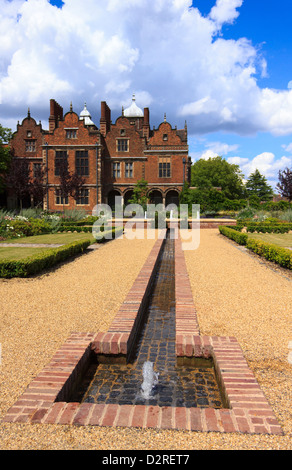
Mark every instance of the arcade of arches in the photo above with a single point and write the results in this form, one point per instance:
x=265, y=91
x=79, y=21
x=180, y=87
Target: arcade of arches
x=155, y=196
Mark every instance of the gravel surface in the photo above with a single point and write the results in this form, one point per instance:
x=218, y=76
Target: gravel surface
x=235, y=294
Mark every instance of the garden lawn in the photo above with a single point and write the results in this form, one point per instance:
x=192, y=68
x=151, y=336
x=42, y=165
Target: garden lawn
x=53, y=238
x=281, y=239
x=17, y=253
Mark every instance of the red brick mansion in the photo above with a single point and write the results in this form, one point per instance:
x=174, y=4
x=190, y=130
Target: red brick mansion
x=111, y=158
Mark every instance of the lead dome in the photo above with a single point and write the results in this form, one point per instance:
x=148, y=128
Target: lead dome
x=86, y=116
x=133, y=110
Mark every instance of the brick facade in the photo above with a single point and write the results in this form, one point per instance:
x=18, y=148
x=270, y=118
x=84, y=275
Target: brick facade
x=111, y=158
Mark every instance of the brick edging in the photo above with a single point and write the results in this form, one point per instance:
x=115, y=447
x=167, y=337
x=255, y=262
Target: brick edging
x=121, y=335
x=45, y=400
x=249, y=412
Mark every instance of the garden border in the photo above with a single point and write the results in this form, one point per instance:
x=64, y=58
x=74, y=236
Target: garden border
x=45, y=399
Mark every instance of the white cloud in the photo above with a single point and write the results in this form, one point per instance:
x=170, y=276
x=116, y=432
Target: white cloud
x=267, y=164
x=216, y=149
x=170, y=55
x=225, y=11
x=288, y=147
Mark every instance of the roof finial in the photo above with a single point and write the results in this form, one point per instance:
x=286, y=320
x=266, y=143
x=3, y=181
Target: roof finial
x=164, y=117
x=122, y=110
x=71, y=107
x=28, y=113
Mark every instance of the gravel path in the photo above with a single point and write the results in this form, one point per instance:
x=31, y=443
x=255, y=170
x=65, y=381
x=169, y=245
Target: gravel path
x=234, y=292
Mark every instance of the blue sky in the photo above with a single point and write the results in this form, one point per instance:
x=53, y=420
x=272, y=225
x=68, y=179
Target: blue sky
x=224, y=66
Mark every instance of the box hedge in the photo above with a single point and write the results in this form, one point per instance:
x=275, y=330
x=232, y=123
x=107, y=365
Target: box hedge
x=269, y=251
x=37, y=263
x=238, y=237
x=269, y=228
x=50, y=257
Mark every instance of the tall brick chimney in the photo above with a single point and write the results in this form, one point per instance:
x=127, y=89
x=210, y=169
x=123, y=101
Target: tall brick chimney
x=146, y=123
x=105, y=119
x=56, y=114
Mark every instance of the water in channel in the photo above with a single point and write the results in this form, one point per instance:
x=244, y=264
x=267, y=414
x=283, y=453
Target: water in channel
x=180, y=386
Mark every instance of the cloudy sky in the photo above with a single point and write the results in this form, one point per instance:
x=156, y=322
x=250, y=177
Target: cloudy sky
x=224, y=66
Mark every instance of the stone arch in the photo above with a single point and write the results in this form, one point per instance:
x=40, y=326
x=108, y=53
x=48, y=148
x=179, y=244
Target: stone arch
x=155, y=196
x=127, y=196
x=172, y=197
x=111, y=197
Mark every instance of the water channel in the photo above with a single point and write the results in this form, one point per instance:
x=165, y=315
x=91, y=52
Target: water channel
x=180, y=386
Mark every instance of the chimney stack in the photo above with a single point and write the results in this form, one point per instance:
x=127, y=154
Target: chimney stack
x=56, y=114
x=105, y=119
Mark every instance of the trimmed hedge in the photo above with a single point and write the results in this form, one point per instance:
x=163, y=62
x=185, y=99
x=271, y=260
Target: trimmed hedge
x=269, y=251
x=269, y=228
x=74, y=228
x=37, y=263
x=88, y=221
x=110, y=234
x=281, y=256
x=238, y=237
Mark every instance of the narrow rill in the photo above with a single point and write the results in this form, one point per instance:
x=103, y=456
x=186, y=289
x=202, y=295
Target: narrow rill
x=179, y=386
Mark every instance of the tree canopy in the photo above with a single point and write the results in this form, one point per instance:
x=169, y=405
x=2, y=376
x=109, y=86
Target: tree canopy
x=257, y=185
x=218, y=173
x=5, y=157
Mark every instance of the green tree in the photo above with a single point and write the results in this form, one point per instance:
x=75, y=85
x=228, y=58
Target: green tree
x=17, y=179
x=5, y=155
x=218, y=173
x=257, y=185
x=140, y=194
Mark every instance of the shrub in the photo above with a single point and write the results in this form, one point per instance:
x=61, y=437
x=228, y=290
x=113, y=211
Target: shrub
x=18, y=228
x=245, y=213
x=238, y=237
x=268, y=228
x=281, y=256
x=37, y=263
x=110, y=234
x=40, y=226
x=74, y=214
x=269, y=251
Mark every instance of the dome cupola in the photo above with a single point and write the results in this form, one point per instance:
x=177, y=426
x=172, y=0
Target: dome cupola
x=133, y=110
x=86, y=117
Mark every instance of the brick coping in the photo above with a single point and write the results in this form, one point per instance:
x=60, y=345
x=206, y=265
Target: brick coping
x=45, y=401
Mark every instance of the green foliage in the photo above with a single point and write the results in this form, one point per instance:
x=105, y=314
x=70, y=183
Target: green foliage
x=140, y=194
x=79, y=223
x=23, y=228
x=276, y=206
x=269, y=251
x=238, y=237
x=74, y=214
x=218, y=173
x=246, y=212
x=45, y=260
x=74, y=228
x=257, y=186
x=5, y=156
x=281, y=256
x=268, y=228
x=115, y=232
